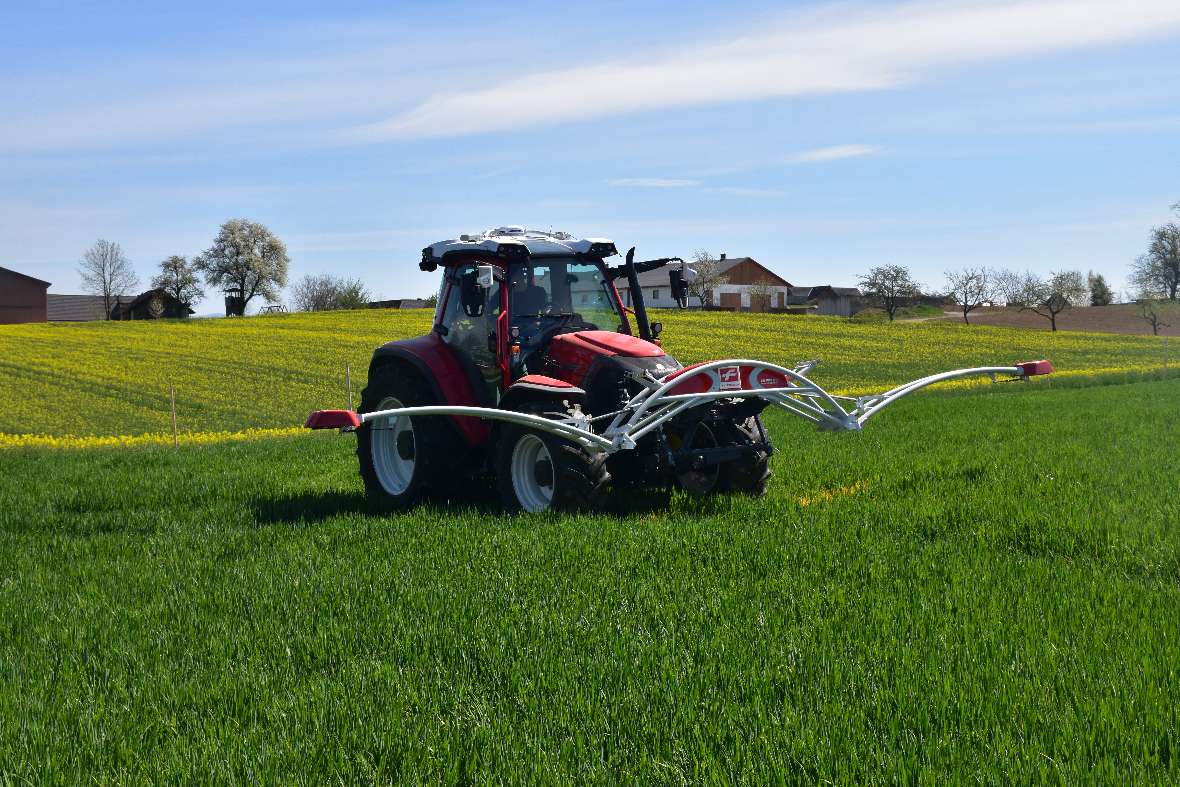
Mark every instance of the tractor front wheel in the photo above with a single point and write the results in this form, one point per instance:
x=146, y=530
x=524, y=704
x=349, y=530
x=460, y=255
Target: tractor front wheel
x=750, y=474
x=536, y=471
x=401, y=457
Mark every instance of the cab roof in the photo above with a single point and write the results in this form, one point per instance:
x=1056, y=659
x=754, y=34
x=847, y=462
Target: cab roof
x=514, y=240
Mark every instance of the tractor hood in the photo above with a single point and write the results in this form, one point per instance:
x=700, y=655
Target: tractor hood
x=583, y=357
x=611, y=343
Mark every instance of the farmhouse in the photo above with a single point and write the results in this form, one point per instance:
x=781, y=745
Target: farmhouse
x=22, y=297
x=749, y=286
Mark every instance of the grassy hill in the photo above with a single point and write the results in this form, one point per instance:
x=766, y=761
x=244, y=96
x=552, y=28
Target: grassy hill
x=266, y=372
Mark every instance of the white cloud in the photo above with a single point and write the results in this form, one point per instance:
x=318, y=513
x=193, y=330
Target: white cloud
x=743, y=191
x=833, y=153
x=654, y=183
x=839, y=48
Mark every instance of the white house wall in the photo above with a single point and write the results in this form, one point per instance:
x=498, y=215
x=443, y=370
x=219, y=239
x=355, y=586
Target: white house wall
x=661, y=297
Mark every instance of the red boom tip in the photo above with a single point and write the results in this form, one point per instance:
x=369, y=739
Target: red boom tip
x=333, y=419
x=1033, y=368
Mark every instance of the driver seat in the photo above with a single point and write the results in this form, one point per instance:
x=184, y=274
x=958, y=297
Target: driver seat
x=531, y=300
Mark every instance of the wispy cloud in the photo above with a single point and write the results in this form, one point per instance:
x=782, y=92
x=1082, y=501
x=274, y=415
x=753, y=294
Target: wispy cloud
x=833, y=153
x=831, y=50
x=654, y=183
x=744, y=191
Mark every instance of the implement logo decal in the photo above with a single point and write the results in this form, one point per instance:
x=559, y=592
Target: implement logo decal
x=730, y=377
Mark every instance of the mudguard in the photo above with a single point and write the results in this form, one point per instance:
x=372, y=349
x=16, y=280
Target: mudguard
x=443, y=370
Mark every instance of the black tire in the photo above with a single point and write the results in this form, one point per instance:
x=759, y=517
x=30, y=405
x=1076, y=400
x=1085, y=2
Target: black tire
x=748, y=475
x=579, y=480
x=431, y=442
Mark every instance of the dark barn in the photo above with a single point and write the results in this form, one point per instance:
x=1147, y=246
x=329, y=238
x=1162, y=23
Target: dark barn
x=151, y=305
x=22, y=298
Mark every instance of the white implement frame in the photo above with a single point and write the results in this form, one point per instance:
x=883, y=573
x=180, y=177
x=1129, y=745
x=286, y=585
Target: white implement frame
x=656, y=404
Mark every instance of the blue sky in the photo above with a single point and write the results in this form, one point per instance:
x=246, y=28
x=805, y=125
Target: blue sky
x=820, y=138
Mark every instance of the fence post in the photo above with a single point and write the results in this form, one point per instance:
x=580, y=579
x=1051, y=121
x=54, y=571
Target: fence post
x=172, y=396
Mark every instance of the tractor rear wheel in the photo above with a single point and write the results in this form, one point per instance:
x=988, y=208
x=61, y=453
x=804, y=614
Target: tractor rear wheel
x=401, y=457
x=748, y=475
x=536, y=471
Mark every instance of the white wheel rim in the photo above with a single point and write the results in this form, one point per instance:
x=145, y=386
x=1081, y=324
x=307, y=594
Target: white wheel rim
x=393, y=472
x=528, y=452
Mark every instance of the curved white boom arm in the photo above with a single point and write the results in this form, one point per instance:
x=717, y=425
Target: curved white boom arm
x=664, y=398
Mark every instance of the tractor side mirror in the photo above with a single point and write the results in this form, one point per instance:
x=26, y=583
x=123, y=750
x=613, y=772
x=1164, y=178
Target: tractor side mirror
x=656, y=329
x=472, y=293
x=485, y=275
x=679, y=288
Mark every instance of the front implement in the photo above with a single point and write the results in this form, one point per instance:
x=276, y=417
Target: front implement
x=664, y=398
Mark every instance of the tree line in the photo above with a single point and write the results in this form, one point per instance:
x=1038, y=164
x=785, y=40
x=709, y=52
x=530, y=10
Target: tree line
x=1154, y=277
x=246, y=261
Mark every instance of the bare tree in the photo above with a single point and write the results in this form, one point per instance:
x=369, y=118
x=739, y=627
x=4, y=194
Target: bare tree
x=106, y=272
x=324, y=293
x=314, y=293
x=760, y=294
x=708, y=276
x=246, y=258
x=1100, y=292
x=1050, y=297
x=179, y=279
x=1009, y=286
x=1154, y=310
x=1158, y=270
x=891, y=286
x=971, y=288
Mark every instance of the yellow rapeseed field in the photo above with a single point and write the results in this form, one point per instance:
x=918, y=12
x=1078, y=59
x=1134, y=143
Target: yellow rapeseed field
x=266, y=373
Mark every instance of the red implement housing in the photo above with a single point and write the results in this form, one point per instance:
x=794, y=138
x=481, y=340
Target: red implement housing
x=333, y=419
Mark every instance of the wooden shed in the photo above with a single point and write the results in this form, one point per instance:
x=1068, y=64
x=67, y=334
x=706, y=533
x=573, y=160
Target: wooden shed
x=22, y=298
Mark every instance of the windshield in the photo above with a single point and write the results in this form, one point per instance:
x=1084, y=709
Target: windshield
x=563, y=290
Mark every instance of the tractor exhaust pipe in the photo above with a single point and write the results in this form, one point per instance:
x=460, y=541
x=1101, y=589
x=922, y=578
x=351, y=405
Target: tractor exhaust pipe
x=636, y=296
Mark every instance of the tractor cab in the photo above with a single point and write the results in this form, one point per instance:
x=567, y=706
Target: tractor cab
x=509, y=293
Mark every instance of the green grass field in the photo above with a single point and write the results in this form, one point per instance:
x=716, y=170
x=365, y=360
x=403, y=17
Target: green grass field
x=983, y=586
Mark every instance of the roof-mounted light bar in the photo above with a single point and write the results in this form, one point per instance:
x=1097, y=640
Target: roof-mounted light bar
x=512, y=251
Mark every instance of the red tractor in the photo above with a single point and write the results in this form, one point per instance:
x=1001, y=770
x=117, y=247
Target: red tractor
x=535, y=372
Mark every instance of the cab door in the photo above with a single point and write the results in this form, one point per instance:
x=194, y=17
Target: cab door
x=474, y=338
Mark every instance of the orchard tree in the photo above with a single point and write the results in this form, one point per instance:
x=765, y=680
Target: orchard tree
x=314, y=293
x=323, y=293
x=178, y=278
x=106, y=273
x=761, y=292
x=1155, y=310
x=708, y=276
x=247, y=257
x=1050, y=297
x=1158, y=270
x=352, y=294
x=891, y=286
x=971, y=288
x=1100, y=292
x=1009, y=286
